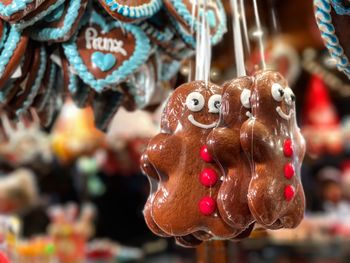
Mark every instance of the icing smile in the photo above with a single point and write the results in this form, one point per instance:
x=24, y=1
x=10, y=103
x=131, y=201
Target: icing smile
x=283, y=115
x=201, y=125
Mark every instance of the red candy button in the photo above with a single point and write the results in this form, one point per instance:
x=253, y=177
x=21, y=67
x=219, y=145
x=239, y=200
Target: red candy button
x=289, y=192
x=289, y=171
x=205, y=154
x=287, y=148
x=208, y=177
x=207, y=206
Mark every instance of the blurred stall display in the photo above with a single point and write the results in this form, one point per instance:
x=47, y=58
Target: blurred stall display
x=70, y=230
x=38, y=249
x=74, y=133
x=18, y=191
x=321, y=124
x=10, y=229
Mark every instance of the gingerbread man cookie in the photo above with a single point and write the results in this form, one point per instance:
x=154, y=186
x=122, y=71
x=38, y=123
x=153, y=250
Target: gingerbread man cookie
x=224, y=144
x=185, y=200
x=276, y=148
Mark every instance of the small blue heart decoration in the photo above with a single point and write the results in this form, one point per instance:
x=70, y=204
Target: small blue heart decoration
x=103, y=61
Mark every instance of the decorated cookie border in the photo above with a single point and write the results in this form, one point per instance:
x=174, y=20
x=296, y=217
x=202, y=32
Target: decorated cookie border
x=11, y=42
x=190, y=20
x=14, y=7
x=50, y=86
x=324, y=21
x=37, y=83
x=23, y=23
x=134, y=12
x=140, y=55
x=48, y=33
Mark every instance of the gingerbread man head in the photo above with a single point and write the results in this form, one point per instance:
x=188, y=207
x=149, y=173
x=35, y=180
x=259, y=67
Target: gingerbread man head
x=194, y=107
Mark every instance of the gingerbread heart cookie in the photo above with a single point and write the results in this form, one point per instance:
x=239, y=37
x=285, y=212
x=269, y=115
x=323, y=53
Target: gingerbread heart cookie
x=333, y=19
x=275, y=147
x=104, y=53
x=11, y=54
x=47, y=7
x=179, y=160
x=129, y=10
x=14, y=10
x=185, y=18
x=61, y=24
x=225, y=146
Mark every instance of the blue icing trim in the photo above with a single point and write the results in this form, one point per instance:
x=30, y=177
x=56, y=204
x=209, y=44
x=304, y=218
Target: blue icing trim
x=140, y=55
x=9, y=48
x=339, y=8
x=191, y=21
x=37, y=83
x=56, y=15
x=48, y=33
x=3, y=37
x=135, y=12
x=103, y=61
x=169, y=70
x=324, y=21
x=23, y=24
x=73, y=83
x=50, y=87
x=162, y=36
x=14, y=7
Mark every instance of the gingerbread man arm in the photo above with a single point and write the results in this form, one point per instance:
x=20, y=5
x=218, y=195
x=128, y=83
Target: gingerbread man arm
x=223, y=143
x=255, y=140
x=161, y=155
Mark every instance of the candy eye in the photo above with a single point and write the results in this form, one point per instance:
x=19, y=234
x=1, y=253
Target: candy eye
x=277, y=92
x=245, y=98
x=289, y=96
x=214, y=103
x=195, y=101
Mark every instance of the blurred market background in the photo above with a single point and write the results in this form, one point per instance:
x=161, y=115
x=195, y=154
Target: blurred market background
x=72, y=187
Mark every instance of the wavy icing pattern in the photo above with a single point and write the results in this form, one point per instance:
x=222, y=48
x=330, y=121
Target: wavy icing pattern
x=325, y=25
x=23, y=24
x=135, y=12
x=14, y=7
x=37, y=83
x=49, y=33
x=140, y=55
x=189, y=38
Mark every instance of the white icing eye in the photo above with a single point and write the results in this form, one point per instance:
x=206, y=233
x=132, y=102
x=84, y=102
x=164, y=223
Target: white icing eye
x=289, y=96
x=277, y=92
x=245, y=98
x=195, y=101
x=214, y=103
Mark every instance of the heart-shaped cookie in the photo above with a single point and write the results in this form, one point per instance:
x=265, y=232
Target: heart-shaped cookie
x=130, y=10
x=14, y=10
x=61, y=24
x=333, y=19
x=185, y=19
x=104, y=53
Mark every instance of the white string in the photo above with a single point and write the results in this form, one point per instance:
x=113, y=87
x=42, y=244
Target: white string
x=259, y=35
x=237, y=39
x=244, y=25
x=203, y=44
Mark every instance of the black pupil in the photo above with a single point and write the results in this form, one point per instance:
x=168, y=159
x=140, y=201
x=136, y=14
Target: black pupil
x=195, y=102
x=281, y=92
x=217, y=104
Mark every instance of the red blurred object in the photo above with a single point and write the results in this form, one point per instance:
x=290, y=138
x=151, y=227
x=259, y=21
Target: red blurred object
x=3, y=258
x=321, y=124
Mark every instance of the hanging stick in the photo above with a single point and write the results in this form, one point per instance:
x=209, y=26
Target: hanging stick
x=260, y=34
x=244, y=25
x=237, y=39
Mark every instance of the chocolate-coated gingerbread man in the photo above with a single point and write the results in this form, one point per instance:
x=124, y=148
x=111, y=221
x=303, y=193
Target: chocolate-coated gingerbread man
x=224, y=144
x=185, y=200
x=276, y=148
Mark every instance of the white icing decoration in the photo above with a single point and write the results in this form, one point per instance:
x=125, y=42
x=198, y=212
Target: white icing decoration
x=201, y=125
x=195, y=101
x=103, y=44
x=277, y=92
x=283, y=115
x=214, y=103
x=245, y=98
x=288, y=96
